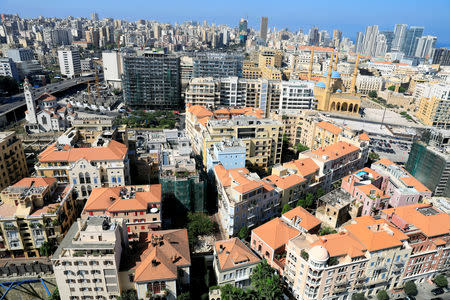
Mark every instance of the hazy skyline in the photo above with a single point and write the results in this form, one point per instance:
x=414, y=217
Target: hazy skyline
x=346, y=15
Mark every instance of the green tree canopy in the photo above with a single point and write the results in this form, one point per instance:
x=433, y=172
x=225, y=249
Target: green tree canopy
x=266, y=282
x=128, y=295
x=391, y=88
x=358, y=296
x=382, y=295
x=8, y=86
x=184, y=296
x=374, y=156
x=286, y=208
x=55, y=295
x=373, y=94
x=47, y=248
x=301, y=148
x=324, y=230
x=410, y=288
x=244, y=233
x=199, y=224
x=320, y=192
x=440, y=280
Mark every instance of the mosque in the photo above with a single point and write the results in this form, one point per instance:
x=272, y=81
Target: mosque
x=330, y=92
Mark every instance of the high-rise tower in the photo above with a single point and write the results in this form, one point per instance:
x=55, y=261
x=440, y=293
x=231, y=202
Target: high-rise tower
x=31, y=104
x=263, y=28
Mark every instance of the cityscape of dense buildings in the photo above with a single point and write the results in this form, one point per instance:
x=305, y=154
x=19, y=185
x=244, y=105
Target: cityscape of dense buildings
x=147, y=160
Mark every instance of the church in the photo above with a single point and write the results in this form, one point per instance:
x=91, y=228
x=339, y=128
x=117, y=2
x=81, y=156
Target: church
x=44, y=114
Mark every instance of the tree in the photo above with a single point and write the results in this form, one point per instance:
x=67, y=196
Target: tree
x=309, y=199
x=382, y=295
x=326, y=230
x=301, y=148
x=358, y=296
x=391, y=88
x=244, y=233
x=229, y=292
x=286, y=208
x=373, y=156
x=266, y=282
x=401, y=89
x=440, y=280
x=410, y=288
x=8, y=86
x=198, y=224
x=47, y=249
x=320, y=192
x=128, y=295
x=184, y=296
x=373, y=94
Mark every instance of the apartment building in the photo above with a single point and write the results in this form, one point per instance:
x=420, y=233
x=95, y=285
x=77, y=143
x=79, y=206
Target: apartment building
x=367, y=256
x=428, y=236
x=244, y=199
x=402, y=187
x=299, y=125
x=138, y=205
x=434, y=106
x=270, y=58
x=86, y=168
x=217, y=65
x=325, y=134
x=203, y=91
x=69, y=62
x=234, y=262
x=34, y=210
x=88, y=259
x=230, y=153
x=336, y=161
x=269, y=240
x=151, y=80
x=8, y=68
x=13, y=165
x=262, y=137
x=264, y=93
x=365, y=84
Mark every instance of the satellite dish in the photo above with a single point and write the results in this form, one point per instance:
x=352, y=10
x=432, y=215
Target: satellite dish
x=154, y=210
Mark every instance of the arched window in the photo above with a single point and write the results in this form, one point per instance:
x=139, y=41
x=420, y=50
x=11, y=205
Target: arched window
x=83, y=191
x=355, y=109
x=89, y=189
x=333, y=106
x=87, y=177
x=81, y=175
x=350, y=107
x=338, y=106
x=344, y=106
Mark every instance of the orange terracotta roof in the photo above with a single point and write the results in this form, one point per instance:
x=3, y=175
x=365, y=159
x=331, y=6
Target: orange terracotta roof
x=376, y=234
x=166, y=251
x=203, y=120
x=431, y=225
x=412, y=181
x=384, y=161
x=35, y=181
x=276, y=233
x=46, y=97
x=340, y=244
x=307, y=220
x=234, y=253
x=329, y=127
x=109, y=199
x=304, y=166
x=224, y=174
x=336, y=150
x=367, y=188
x=388, y=63
x=247, y=187
x=287, y=181
x=114, y=151
x=364, y=137
x=200, y=111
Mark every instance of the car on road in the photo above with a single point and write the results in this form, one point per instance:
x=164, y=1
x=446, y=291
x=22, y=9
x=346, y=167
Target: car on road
x=437, y=291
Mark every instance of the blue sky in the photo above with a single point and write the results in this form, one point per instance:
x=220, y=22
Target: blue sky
x=347, y=15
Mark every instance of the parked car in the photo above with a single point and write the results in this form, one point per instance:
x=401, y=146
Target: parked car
x=437, y=291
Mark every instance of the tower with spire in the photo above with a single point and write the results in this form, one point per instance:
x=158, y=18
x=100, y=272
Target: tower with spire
x=31, y=116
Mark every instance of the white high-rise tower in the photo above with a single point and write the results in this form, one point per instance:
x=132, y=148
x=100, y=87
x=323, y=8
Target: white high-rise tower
x=31, y=103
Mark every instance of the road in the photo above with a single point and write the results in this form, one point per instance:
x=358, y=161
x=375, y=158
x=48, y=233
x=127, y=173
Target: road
x=18, y=100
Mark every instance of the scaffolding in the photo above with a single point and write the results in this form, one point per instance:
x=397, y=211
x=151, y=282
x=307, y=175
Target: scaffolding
x=189, y=191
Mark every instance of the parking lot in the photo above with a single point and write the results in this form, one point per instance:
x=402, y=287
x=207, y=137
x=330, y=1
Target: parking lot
x=394, y=150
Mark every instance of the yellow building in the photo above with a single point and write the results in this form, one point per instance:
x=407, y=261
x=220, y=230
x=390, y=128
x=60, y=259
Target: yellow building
x=270, y=58
x=331, y=95
x=271, y=73
x=250, y=70
x=35, y=210
x=434, y=112
x=325, y=134
x=261, y=137
x=13, y=165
